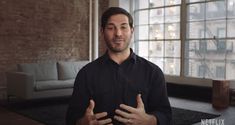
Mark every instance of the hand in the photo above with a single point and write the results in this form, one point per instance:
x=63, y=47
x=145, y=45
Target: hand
x=94, y=119
x=135, y=116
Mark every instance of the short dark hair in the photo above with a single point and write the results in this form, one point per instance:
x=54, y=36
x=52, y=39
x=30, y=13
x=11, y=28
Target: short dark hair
x=113, y=11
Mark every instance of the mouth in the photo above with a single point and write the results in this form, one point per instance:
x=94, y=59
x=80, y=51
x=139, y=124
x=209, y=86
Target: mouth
x=118, y=40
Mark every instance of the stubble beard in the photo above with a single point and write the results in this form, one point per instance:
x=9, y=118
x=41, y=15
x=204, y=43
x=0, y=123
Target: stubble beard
x=116, y=48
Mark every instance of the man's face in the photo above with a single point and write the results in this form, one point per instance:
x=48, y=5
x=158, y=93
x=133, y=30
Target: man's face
x=117, y=33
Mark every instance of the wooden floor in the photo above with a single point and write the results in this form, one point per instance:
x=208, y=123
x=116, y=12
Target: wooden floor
x=11, y=118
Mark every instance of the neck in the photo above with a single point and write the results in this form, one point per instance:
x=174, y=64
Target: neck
x=119, y=57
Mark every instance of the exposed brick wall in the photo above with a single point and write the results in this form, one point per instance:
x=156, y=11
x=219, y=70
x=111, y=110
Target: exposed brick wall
x=42, y=30
x=103, y=4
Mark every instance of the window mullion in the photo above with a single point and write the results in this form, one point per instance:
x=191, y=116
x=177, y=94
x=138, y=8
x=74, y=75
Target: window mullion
x=183, y=25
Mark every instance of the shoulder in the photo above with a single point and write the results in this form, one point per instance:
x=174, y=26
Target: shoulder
x=146, y=63
x=155, y=73
x=93, y=65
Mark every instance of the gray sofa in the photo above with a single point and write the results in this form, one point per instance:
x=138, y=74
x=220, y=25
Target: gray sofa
x=43, y=80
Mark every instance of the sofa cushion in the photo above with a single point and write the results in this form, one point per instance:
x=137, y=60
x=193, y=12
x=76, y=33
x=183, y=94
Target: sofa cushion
x=41, y=71
x=69, y=70
x=53, y=84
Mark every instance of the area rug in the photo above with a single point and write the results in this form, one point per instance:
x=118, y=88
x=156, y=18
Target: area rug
x=53, y=112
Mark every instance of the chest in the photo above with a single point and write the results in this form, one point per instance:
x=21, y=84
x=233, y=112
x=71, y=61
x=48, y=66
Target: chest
x=111, y=87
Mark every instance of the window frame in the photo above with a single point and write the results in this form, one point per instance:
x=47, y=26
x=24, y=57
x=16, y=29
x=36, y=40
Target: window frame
x=183, y=38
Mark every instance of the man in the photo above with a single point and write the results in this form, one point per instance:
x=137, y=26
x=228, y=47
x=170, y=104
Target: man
x=119, y=88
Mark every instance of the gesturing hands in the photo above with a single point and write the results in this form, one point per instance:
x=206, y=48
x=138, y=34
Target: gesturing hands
x=135, y=116
x=94, y=119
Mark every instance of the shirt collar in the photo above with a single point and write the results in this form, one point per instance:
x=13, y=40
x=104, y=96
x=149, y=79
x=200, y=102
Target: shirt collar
x=132, y=56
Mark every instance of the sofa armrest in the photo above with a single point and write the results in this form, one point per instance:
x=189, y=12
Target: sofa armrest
x=20, y=84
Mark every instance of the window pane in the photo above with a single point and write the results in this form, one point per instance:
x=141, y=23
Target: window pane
x=142, y=32
x=196, y=12
x=195, y=30
x=156, y=3
x=172, y=66
x=143, y=49
x=211, y=45
x=172, y=31
x=195, y=49
x=212, y=69
x=140, y=4
x=215, y=10
x=156, y=16
x=172, y=48
x=220, y=72
x=172, y=14
x=172, y=2
x=231, y=8
x=213, y=50
x=156, y=49
x=231, y=28
x=205, y=68
x=195, y=68
x=221, y=32
x=222, y=46
x=191, y=1
x=201, y=70
x=213, y=28
x=156, y=32
x=141, y=17
x=229, y=66
x=230, y=50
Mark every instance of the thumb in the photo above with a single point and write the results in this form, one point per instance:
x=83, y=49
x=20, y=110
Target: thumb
x=140, y=103
x=90, y=108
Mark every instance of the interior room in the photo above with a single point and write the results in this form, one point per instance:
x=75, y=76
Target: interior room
x=191, y=41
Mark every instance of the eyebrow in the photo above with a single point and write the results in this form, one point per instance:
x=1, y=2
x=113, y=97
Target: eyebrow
x=121, y=24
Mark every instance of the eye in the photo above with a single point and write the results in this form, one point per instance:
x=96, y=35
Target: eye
x=109, y=27
x=124, y=27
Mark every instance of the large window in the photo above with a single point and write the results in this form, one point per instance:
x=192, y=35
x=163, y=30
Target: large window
x=157, y=33
x=192, y=38
x=217, y=54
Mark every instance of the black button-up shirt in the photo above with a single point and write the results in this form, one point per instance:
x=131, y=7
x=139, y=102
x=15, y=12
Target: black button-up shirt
x=110, y=84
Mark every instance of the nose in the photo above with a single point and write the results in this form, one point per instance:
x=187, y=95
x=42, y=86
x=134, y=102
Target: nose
x=118, y=32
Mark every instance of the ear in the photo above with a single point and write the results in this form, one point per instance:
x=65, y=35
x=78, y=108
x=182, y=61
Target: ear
x=132, y=30
x=102, y=30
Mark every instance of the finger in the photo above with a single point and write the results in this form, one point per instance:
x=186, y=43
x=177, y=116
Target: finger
x=105, y=121
x=123, y=120
x=92, y=117
x=93, y=122
x=90, y=108
x=124, y=114
x=101, y=115
x=128, y=108
x=140, y=103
